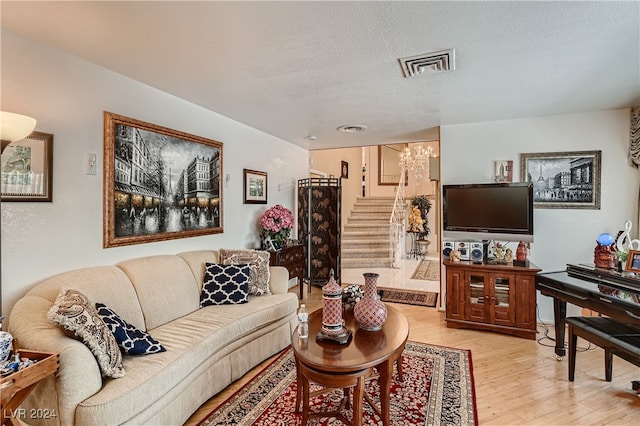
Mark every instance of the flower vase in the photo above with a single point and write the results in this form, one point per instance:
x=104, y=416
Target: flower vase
x=6, y=344
x=370, y=312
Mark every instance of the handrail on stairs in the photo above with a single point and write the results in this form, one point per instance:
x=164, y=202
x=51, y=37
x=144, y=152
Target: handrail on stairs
x=398, y=224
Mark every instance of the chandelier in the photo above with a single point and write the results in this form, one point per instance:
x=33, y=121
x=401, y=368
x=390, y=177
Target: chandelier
x=418, y=162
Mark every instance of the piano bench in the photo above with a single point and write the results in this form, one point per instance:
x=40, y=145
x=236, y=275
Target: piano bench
x=616, y=338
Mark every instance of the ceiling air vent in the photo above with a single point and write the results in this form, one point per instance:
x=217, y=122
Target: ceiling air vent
x=441, y=61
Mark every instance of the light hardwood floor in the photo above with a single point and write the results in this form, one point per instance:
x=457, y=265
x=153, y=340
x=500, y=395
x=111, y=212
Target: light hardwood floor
x=517, y=381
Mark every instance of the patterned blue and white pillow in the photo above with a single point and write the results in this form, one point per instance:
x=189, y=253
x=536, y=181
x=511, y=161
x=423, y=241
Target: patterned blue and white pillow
x=225, y=284
x=131, y=340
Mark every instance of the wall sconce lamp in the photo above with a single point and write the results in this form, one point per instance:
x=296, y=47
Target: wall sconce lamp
x=14, y=127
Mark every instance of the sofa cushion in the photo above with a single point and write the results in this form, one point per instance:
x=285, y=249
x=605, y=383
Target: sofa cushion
x=194, y=342
x=196, y=259
x=165, y=286
x=77, y=315
x=108, y=284
x=259, y=262
x=131, y=340
x=225, y=284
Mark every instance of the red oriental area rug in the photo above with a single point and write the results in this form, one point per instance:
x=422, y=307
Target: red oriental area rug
x=438, y=389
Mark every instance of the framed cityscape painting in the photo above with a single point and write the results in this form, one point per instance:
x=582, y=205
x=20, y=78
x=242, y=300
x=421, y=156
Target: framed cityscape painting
x=564, y=180
x=159, y=183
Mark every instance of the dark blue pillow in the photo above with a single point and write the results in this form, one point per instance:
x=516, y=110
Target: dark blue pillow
x=131, y=340
x=225, y=284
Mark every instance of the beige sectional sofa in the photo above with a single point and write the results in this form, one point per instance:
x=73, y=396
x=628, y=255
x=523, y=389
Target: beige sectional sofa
x=206, y=348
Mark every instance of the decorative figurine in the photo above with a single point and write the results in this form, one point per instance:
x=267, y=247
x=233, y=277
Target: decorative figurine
x=416, y=223
x=508, y=256
x=603, y=257
x=521, y=252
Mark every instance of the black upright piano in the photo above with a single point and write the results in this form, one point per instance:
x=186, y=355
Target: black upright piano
x=614, y=294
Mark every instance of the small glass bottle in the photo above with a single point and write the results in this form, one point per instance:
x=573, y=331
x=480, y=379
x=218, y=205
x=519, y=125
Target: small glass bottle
x=303, y=322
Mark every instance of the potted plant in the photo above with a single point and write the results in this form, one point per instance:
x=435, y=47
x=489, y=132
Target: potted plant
x=422, y=203
x=276, y=225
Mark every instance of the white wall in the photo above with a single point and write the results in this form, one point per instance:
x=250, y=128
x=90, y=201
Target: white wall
x=561, y=235
x=67, y=96
x=330, y=162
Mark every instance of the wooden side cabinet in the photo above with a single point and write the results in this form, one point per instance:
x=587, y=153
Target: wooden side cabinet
x=291, y=258
x=492, y=297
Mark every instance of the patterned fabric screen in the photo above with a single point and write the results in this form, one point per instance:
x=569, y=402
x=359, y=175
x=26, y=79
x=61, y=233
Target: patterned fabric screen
x=319, y=202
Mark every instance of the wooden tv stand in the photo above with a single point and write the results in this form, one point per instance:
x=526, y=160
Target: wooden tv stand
x=492, y=297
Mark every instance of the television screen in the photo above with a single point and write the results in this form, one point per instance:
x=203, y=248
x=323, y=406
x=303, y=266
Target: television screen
x=502, y=210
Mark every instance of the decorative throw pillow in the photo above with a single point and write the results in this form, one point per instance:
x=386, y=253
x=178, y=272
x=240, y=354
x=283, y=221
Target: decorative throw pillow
x=131, y=340
x=259, y=262
x=225, y=284
x=77, y=314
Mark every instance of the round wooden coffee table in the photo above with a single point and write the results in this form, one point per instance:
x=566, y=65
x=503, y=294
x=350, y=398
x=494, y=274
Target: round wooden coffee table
x=332, y=363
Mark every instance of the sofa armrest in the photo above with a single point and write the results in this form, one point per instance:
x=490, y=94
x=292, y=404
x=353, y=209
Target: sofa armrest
x=78, y=376
x=279, y=281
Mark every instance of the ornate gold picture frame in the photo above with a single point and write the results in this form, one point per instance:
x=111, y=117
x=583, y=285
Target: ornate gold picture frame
x=159, y=183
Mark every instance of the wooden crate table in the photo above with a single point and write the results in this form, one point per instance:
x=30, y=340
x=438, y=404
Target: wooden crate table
x=15, y=387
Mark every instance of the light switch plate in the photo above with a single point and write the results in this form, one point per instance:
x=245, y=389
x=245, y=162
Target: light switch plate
x=91, y=164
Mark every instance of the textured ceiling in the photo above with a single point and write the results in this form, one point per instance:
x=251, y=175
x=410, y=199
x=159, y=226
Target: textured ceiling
x=296, y=69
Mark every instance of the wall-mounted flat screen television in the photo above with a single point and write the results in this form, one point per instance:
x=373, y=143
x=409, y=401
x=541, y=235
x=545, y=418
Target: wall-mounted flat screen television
x=489, y=211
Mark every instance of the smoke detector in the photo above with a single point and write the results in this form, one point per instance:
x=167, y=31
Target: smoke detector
x=352, y=128
x=434, y=62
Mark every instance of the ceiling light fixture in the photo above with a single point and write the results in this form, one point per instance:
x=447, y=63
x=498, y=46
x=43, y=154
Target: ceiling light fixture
x=14, y=127
x=352, y=128
x=418, y=163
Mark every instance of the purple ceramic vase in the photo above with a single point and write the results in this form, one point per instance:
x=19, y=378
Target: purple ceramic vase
x=370, y=312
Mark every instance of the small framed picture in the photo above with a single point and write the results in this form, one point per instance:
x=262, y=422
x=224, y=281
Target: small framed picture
x=633, y=261
x=503, y=171
x=27, y=169
x=345, y=170
x=255, y=187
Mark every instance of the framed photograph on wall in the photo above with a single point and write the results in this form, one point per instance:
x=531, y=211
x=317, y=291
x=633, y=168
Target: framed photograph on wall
x=503, y=171
x=633, y=261
x=255, y=187
x=27, y=169
x=159, y=183
x=345, y=170
x=563, y=180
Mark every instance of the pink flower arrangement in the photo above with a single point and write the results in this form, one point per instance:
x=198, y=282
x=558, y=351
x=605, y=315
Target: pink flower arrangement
x=277, y=222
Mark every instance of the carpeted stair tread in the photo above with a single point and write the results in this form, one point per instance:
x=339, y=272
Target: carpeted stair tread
x=366, y=238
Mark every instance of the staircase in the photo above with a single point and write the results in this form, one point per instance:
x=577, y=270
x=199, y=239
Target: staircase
x=366, y=239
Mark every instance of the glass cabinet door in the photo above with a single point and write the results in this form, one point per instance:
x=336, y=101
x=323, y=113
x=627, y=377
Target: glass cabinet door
x=476, y=289
x=501, y=290
x=477, y=297
x=503, y=299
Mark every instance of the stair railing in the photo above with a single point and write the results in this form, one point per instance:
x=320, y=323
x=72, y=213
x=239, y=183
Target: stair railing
x=398, y=224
